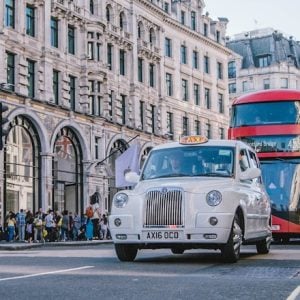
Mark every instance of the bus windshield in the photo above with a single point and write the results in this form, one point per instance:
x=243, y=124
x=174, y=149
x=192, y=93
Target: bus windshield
x=274, y=143
x=265, y=113
x=189, y=162
x=282, y=181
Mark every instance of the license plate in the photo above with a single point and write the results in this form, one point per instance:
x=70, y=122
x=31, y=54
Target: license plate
x=162, y=235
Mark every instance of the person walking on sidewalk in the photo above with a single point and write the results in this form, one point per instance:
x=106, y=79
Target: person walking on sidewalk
x=21, y=222
x=11, y=227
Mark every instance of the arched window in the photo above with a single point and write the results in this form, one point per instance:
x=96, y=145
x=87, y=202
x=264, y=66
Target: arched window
x=67, y=172
x=140, y=30
x=151, y=36
x=108, y=13
x=122, y=21
x=22, y=167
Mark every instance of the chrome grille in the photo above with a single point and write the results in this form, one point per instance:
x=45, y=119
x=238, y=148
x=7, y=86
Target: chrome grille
x=163, y=208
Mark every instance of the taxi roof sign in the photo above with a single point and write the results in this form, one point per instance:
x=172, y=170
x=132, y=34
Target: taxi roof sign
x=193, y=139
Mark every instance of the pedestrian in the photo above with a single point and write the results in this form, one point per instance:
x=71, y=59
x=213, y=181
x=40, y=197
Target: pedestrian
x=50, y=225
x=103, y=227
x=21, y=223
x=29, y=227
x=76, y=226
x=89, y=229
x=65, y=225
x=11, y=222
x=38, y=227
x=94, y=202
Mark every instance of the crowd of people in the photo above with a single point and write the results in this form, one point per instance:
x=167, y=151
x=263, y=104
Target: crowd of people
x=24, y=226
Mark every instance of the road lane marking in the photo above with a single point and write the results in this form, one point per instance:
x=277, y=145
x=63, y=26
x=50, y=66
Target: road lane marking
x=295, y=293
x=46, y=273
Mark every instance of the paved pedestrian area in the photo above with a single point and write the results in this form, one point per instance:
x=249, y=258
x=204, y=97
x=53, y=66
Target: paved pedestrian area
x=22, y=245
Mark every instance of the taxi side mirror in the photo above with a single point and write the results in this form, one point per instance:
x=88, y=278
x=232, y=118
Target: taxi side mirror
x=132, y=177
x=250, y=173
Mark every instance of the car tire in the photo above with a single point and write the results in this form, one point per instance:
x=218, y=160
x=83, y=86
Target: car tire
x=125, y=252
x=263, y=246
x=231, y=251
x=177, y=250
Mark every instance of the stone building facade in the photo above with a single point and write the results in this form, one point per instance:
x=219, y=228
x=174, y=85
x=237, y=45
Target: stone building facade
x=264, y=59
x=85, y=79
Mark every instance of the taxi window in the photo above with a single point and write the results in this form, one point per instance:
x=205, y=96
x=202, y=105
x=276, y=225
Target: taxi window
x=243, y=160
x=190, y=161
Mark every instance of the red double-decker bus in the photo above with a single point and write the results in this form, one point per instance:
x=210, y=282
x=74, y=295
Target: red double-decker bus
x=269, y=121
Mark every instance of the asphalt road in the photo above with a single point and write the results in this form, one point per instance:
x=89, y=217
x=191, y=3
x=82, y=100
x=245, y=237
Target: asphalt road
x=94, y=272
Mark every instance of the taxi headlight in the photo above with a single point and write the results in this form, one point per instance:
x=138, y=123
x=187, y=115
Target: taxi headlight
x=120, y=200
x=214, y=198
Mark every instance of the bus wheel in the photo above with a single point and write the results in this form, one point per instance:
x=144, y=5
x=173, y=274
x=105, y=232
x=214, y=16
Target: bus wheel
x=126, y=252
x=263, y=246
x=231, y=251
x=177, y=250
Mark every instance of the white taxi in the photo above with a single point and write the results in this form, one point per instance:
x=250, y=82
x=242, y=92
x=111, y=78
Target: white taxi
x=195, y=193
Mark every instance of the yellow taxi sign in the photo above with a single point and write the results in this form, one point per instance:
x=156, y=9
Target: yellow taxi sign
x=193, y=139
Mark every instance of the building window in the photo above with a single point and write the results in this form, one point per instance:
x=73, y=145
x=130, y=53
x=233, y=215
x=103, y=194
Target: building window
x=195, y=60
x=218, y=35
x=10, y=13
x=72, y=91
x=206, y=64
x=121, y=19
x=284, y=83
x=109, y=56
x=182, y=17
x=151, y=36
x=142, y=114
x=110, y=104
x=245, y=86
x=170, y=129
x=220, y=70
x=10, y=75
x=184, y=86
x=153, y=118
x=205, y=29
x=55, y=83
x=54, y=32
x=196, y=94
x=208, y=130
x=97, y=148
x=107, y=13
x=90, y=50
x=207, y=98
x=264, y=61
x=169, y=84
x=151, y=75
x=193, y=20
x=123, y=108
x=231, y=69
x=266, y=84
x=140, y=70
x=98, y=53
x=92, y=7
x=221, y=103
x=232, y=88
x=185, y=126
x=166, y=7
x=183, y=54
x=168, y=47
x=197, y=127
x=30, y=20
x=221, y=133
x=139, y=31
x=31, y=78
x=122, y=62
x=71, y=39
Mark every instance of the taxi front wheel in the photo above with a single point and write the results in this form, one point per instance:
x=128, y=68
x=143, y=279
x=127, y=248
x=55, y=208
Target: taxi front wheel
x=231, y=251
x=126, y=252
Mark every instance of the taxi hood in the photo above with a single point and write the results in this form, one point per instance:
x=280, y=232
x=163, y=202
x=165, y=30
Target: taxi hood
x=191, y=184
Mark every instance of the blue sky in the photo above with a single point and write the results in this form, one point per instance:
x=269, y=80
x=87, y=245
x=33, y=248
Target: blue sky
x=246, y=15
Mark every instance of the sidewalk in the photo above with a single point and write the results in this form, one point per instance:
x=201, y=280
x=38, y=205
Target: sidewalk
x=22, y=246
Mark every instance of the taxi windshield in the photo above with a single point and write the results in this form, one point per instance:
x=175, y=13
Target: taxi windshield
x=189, y=161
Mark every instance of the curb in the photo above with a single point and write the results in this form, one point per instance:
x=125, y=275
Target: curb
x=23, y=246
